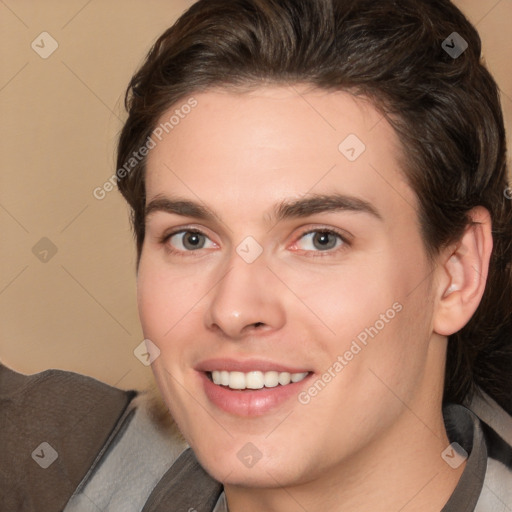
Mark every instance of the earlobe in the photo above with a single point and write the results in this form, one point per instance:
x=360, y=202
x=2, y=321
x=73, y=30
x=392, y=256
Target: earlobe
x=463, y=270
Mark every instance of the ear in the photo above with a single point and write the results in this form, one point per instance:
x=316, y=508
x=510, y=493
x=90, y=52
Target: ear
x=462, y=274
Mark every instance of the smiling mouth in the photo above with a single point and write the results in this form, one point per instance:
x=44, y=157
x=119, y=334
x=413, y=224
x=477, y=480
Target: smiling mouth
x=254, y=380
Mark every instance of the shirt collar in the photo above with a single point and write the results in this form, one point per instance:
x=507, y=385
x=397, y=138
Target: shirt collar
x=463, y=427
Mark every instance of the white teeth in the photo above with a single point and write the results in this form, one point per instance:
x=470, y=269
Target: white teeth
x=255, y=379
x=271, y=379
x=297, y=377
x=224, y=378
x=237, y=380
x=284, y=378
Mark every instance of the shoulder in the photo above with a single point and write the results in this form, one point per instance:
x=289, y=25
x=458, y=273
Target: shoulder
x=139, y=458
x=56, y=422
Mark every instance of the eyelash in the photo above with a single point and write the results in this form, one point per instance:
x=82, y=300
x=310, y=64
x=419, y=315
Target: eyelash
x=316, y=254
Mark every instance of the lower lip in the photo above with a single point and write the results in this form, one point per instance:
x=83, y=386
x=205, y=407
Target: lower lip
x=250, y=402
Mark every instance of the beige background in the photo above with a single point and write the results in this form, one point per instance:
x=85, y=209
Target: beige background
x=60, y=120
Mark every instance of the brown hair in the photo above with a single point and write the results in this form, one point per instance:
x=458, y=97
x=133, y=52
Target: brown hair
x=445, y=110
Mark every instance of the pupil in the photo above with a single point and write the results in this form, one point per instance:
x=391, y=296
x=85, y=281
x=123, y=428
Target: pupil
x=192, y=240
x=323, y=240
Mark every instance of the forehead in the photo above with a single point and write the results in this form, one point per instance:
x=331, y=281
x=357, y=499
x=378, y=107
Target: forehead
x=246, y=151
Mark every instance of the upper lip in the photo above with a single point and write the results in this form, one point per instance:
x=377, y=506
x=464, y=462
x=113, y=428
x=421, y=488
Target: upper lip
x=246, y=365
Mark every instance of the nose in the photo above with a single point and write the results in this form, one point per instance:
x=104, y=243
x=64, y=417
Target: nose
x=246, y=299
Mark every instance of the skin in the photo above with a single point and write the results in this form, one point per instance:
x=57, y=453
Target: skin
x=377, y=426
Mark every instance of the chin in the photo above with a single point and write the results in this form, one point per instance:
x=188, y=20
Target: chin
x=243, y=467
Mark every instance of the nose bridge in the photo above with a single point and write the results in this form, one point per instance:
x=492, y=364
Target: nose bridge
x=243, y=296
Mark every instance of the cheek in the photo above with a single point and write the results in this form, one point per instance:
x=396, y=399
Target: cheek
x=349, y=298
x=377, y=313
x=390, y=336
x=151, y=300
x=163, y=297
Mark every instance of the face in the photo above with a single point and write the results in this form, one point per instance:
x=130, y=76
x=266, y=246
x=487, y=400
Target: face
x=284, y=281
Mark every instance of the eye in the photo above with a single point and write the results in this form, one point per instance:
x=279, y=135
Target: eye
x=321, y=240
x=186, y=240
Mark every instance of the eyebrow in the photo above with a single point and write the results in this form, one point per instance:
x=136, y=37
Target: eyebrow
x=286, y=209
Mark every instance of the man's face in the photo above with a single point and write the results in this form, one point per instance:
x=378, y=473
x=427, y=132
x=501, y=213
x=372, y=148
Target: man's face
x=336, y=299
